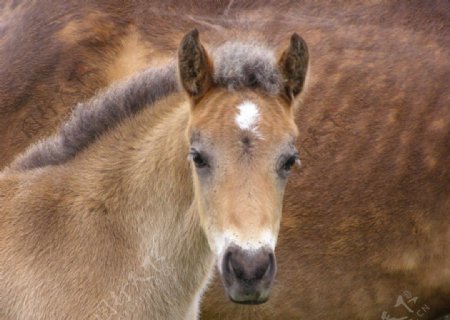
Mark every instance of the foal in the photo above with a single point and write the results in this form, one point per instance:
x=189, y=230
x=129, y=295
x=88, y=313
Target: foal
x=109, y=218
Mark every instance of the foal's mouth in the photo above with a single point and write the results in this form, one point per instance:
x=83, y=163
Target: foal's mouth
x=249, y=300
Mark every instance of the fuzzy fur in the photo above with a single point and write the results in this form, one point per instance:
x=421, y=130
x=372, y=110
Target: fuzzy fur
x=112, y=232
x=238, y=65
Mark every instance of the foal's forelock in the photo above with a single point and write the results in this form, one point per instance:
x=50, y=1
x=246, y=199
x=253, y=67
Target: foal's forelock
x=246, y=65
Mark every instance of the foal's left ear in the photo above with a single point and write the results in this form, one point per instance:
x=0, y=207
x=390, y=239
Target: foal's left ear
x=194, y=66
x=293, y=65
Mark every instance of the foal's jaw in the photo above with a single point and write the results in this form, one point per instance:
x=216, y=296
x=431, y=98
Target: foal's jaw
x=242, y=147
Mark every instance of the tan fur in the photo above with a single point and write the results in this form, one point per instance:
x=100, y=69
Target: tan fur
x=225, y=206
x=367, y=216
x=115, y=241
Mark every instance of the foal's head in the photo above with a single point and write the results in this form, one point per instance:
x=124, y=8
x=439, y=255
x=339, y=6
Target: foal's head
x=242, y=147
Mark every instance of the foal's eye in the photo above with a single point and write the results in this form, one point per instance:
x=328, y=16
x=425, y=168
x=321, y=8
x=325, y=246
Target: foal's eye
x=289, y=162
x=199, y=161
x=197, y=158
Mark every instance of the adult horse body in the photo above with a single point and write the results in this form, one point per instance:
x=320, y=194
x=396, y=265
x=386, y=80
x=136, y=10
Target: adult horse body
x=366, y=221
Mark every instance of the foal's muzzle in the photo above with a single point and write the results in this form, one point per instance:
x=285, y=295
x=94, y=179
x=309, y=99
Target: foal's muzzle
x=248, y=274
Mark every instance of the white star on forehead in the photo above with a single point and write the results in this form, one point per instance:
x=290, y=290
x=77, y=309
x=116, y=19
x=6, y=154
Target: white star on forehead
x=248, y=116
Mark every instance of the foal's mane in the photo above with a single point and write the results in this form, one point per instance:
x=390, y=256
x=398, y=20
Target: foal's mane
x=96, y=116
x=236, y=65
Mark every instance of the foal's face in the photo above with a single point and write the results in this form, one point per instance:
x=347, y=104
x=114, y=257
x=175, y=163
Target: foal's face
x=242, y=148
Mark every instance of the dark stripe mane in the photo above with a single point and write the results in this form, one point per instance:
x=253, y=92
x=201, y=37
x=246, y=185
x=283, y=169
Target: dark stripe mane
x=237, y=65
x=93, y=118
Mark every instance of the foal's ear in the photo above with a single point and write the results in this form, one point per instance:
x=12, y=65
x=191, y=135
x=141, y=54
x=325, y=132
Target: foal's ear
x=194, y=66
x=293, y=65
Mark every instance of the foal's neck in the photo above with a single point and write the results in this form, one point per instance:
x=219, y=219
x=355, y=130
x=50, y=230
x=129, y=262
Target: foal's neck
x=140, y=174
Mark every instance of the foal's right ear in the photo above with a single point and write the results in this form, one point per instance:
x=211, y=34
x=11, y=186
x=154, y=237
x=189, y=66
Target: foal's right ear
x=194, y=65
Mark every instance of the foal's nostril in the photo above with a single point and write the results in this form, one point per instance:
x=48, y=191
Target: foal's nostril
x=232, y=266
x=262, y=269
x=236, y=267
x=227, y=262
x=270, y=265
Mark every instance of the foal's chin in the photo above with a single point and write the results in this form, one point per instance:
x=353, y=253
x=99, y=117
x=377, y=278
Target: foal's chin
x=247, y=275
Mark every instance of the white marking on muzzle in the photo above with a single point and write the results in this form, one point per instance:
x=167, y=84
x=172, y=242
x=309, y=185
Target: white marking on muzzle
x=248, y=116
x=264, y=239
